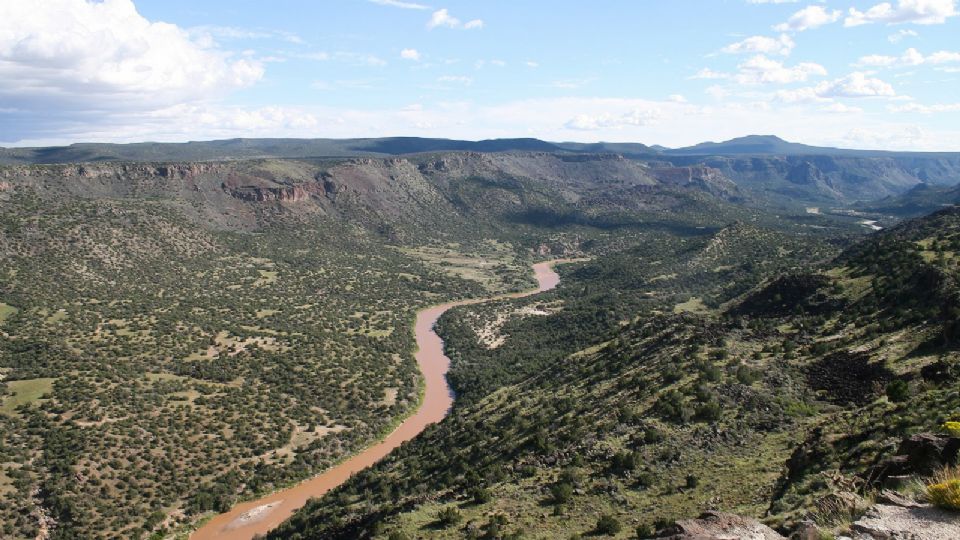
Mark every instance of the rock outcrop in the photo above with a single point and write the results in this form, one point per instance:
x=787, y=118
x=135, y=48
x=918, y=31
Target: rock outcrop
x=719, y=526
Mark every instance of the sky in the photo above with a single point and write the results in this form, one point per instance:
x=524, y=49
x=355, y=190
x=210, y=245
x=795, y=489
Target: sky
x=848, y=73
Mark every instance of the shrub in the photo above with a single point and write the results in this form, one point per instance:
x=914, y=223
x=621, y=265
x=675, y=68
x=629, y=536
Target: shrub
x=480, y=495
x=608, y=524
x=898, y=390
x=952, y=428
x=449, y=517
x=644, y=532
x=945, y=491
x=562, y=492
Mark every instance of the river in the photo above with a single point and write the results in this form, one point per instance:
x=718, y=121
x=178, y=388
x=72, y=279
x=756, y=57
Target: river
x=247, y=519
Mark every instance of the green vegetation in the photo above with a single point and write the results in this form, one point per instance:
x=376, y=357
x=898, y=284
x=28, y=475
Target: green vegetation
x=213, y=331
x=6, y=311
x=945, y=489
x=24, y=392
x=643, y=416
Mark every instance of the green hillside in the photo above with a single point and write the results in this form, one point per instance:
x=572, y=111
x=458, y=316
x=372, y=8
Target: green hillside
x=825, y=368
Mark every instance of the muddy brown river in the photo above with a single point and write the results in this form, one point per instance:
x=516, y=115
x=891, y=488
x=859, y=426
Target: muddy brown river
x=247, y=519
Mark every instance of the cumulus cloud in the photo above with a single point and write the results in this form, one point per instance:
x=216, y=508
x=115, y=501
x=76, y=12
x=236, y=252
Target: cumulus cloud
x=763, y=70
x=762, y=44
x=76, y=60
x=856, y=84
x=410, y=54
x=906, y=11
x=636, y=117
x=809, y=18
x=900, y=35
x=443, y=19
x=911, y=57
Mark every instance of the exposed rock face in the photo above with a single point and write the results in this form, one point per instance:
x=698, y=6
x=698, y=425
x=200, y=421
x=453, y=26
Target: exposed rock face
x=890, y=522
x=384, y=194
x=832, y=178
x=919, y=454
x=719, y=526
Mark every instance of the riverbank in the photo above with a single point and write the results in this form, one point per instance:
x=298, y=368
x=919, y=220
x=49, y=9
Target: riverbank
x=259, y=516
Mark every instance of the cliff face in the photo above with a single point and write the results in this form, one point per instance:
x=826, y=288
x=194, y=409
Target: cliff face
x=425, y=190
x=831, y=179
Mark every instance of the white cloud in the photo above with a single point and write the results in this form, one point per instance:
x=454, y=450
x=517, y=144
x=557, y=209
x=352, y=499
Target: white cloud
x=410, y=54
x=906, y=11
x=763, y=70
x=772, y=1
x=925, y=109
x=212, y=32
x=399, y=4
x=762, y=44
x=809, y=18
x=65, y=61
x=856, y=84
x=531, y=64
x=900, y=35
x=910, y=57
x=707, y=73
x=840, y=108
x=943, y=57
x=443, y=19
x=806, y=94
x=458, y=79
x=677, y=98
x=636, y=117
x=676, y=125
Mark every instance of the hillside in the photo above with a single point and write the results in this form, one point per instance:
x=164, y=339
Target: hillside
x=786, y=402
x=175, y=337
x=766, y=168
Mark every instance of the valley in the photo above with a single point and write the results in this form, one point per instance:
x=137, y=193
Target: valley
x=436, y=399
x=186, y=345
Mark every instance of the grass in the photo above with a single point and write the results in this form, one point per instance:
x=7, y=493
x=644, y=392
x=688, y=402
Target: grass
x=693, y=305
x=6, y=311
x=25, y=391
x=267, y=277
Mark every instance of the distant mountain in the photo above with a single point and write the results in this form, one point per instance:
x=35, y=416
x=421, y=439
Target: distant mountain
x=261, y=148
x=920, y=200
x=773, y=145
x=624, y=149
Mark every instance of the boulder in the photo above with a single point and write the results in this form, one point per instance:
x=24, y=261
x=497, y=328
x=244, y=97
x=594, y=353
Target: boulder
x=921, y=454
x=924, y=452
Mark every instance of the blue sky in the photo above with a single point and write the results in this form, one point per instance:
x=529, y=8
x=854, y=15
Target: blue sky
x=863, y=74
